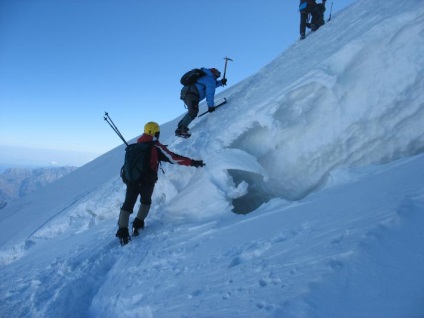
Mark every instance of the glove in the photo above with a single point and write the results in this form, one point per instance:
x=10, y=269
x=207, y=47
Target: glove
x=197, y=163
x=224, y=81
x=211, y=109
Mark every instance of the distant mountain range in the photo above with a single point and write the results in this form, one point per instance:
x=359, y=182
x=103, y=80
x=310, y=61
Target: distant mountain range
x=18, y=182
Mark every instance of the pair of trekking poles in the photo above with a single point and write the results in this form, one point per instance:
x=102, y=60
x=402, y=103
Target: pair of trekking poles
x=113, y=126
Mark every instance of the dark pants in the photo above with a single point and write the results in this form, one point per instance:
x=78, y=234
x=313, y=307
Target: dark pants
x=303, y=21
x=304, y=15
x=190, y=96
x=133, y=191
x=317, y=13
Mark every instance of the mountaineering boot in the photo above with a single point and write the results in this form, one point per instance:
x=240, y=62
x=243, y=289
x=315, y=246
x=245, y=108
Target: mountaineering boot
x=182, y=132
x=138, y=222
x=302, y=36
x=123, y=235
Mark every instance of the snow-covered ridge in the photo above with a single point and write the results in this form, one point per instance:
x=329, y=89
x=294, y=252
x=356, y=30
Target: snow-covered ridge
x=341, y=99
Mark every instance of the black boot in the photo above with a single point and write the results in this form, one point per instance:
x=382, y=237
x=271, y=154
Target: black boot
x=123, y=235
x=182, y=132
x=137, y=224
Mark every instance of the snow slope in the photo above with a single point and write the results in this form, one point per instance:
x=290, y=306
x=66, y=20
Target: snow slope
x=311, y=203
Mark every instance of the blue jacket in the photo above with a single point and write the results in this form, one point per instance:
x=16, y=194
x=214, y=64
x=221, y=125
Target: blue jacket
x=206, y=86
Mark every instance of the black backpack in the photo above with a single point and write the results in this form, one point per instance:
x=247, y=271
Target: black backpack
x=192, y=76
x=137, y=162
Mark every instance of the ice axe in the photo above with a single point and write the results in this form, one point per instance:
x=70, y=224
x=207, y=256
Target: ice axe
x=219, y=105
x=226, y=62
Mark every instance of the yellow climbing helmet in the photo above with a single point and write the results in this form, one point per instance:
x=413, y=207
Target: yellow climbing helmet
x=151, y=128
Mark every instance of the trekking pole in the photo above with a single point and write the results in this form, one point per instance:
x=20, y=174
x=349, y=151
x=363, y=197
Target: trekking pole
x=225, y=68
x=113, y=126
x=331, y=10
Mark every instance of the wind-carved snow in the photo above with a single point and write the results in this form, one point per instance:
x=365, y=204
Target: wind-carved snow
x=319, y=155
x=369, y=122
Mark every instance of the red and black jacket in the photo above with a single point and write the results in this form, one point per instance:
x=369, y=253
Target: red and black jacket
x=161, y=153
